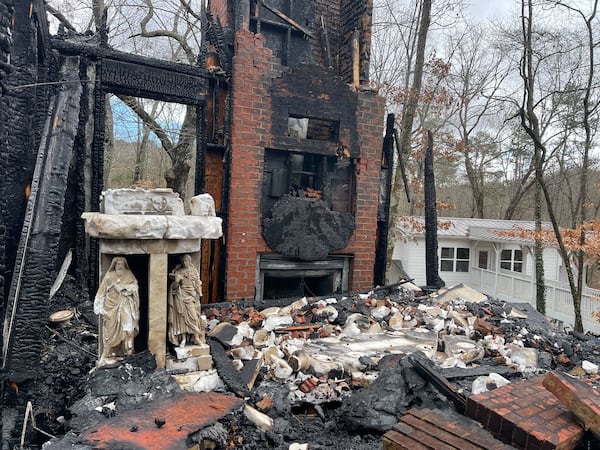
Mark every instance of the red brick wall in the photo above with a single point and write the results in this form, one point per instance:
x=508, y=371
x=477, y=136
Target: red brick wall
x=370, y=118
x=249, y=136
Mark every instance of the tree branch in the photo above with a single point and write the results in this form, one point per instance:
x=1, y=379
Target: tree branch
x=60, y=17
x=149, y=121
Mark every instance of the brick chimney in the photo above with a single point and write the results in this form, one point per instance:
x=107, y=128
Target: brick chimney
x=303, y=140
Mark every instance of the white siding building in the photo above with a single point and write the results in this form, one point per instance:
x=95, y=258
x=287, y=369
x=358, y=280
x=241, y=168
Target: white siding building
x=477, y=253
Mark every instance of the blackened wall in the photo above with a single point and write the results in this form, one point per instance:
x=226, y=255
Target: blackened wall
x=357, y=17
x=330, y=23
x=279, y=71
x=264, y=94
x=311, y=91
x=6, y=12
x=26, y=106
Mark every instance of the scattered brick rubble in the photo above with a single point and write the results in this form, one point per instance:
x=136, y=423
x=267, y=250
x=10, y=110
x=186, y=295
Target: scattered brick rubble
x=335, y=372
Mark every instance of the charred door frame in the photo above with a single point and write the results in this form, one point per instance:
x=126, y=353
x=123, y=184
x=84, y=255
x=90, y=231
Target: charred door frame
x=128, y=74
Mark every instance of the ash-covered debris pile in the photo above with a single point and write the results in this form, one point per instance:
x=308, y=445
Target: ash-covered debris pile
x=336, y=372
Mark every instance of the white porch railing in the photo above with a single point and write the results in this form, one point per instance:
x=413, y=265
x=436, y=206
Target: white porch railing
x=521, y=289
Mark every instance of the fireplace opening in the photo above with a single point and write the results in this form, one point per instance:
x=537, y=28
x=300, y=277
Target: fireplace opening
x=300, y=286
x=282, y=277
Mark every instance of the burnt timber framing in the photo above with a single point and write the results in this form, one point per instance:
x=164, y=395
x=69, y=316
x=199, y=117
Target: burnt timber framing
x=128, y=74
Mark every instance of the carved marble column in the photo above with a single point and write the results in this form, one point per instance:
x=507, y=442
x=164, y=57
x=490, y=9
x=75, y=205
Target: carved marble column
x=157, y=307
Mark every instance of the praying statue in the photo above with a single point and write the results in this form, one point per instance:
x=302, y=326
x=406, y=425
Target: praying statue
x=118, y=304
x=185, y=291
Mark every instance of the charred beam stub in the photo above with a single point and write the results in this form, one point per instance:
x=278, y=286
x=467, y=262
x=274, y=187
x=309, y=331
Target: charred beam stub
x=225, y=368
x=431, y=242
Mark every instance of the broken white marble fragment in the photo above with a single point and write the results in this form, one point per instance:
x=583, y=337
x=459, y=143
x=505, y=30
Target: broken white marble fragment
x=123, y=226
x=280, y=369
x=590, y=368
x=525, y=358
x=259, y=419
x=202, y=205
x=463, y=348
x=263, y=338
x=328, y=312
x=396, y=322
x=294, y=307
x=297, y=446
x=141, y=201
x=277, y=321
x=488, y=383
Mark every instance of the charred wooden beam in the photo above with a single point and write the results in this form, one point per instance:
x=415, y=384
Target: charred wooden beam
x=431, y=241
x=483, y=370
x=94, y=51
x=287, y=19
x=160, y=83
x=38, y=245
x=383, y=210
x=402, y=166
x=428, y=370
x=227, y=372
x=326, y=45
x=200, y=179
x=216, y=37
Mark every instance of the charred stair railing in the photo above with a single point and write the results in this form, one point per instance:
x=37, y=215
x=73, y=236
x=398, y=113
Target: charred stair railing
x=27, y=304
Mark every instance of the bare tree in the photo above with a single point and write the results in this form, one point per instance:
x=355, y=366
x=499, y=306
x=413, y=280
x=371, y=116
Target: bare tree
x=477, y=75
x=409, y=110
x=534, y=127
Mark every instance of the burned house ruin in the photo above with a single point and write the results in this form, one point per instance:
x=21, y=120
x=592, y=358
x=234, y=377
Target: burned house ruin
x=287, y=139
x=288, y=143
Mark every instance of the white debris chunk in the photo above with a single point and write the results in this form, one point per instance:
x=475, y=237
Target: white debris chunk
x=590, y=368
x=488, y=383
x=295, y=306
x=263, y=338
x=280, y=369
x=277, y=321
x=396, y=322
x=525, y=358
x=259, y=419
x=328, y=312
x=379, y=312
x=463, y=348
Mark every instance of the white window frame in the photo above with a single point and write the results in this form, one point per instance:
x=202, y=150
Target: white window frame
x=514, y=261
x=450, y=262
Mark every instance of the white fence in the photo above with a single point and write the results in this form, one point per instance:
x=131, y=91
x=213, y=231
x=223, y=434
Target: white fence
x=559, y=302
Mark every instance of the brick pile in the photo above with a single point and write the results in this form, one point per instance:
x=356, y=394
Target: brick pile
x=434, y=429
x=526, y=415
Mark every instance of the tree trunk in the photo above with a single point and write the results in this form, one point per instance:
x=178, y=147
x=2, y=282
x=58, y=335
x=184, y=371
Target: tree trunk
x=475, y=182
x=182, y=155
x=531, y=125
x=540, y=285
x=408, y=116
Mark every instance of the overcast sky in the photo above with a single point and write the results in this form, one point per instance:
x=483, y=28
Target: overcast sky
x=483, y=9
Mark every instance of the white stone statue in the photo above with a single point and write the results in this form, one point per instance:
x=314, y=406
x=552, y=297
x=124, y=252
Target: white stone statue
x=185, y=324
x=118, y=304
